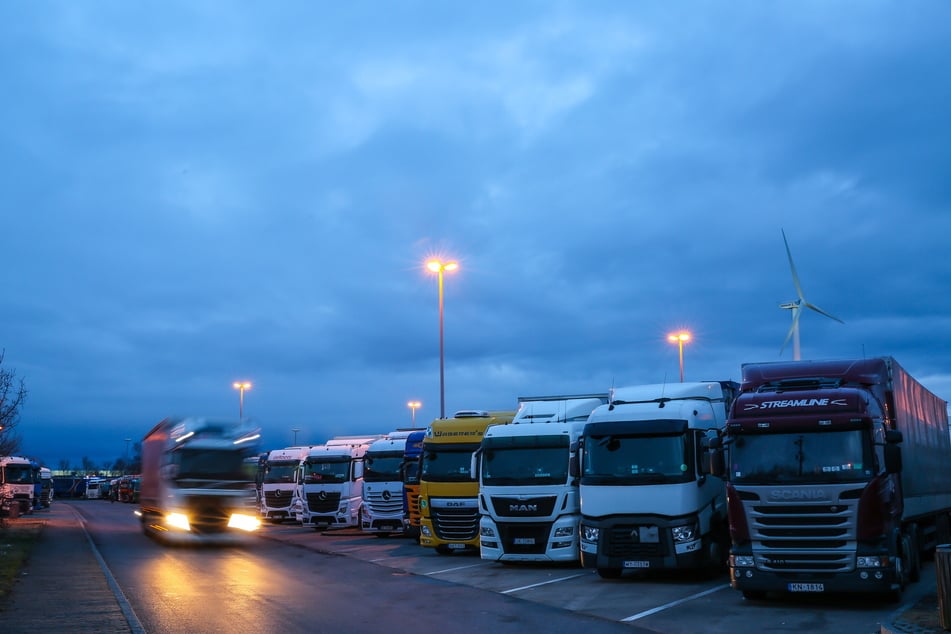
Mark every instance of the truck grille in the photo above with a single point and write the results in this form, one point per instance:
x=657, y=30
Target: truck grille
x=412, y=506
x=323, y=501
x=622, y=542
x=456, y=524
x=532, y=507
x=530, y=538
x=278, y=499
x=210, y=513
x=807, y=537
x=384, y=502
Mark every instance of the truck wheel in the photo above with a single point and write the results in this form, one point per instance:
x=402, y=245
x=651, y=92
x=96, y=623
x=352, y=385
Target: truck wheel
x=610, y=573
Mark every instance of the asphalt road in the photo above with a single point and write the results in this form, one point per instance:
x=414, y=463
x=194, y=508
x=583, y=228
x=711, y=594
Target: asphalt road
x=293, y=579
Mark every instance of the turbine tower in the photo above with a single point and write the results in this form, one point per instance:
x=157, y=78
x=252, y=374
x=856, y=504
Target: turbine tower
x=797, y=306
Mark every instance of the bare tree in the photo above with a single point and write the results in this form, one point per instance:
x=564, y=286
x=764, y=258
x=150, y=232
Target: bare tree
x=12, y=395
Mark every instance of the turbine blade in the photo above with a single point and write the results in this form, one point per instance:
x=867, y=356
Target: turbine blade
x=822, y=312
x=792, y=267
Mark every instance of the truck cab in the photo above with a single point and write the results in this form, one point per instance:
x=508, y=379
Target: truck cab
x=277, y=483
x=383, y=503
x=528, y=501
x=329, y=483
x=16, y=485
x=448, y=490
x=648, y=501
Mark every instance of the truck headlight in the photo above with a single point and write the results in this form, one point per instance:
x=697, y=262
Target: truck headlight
x=684, y=533
x=871, y=561
x=486, y=531
x=425, y=530
x=590, y=533
x=742, y=561
x=244, y=522
x=565, y=531
x=178, y=520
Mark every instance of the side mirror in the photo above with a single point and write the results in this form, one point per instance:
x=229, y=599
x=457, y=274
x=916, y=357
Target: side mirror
x=474, y=464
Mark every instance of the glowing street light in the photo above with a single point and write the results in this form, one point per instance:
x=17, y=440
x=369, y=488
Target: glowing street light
x=241, y=386
x=439, y=267
x=680, y=338
x=414, y=405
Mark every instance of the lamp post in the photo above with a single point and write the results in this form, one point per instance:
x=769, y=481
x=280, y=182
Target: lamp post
x=680, y=338
x=414, y=405
x=439, y=267
x=295, y=430
x=241, y=386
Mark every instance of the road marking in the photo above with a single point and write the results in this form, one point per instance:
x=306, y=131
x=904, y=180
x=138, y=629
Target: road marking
x=439, y=572
x=672, y=604
x=543, y=583
x=134, y=623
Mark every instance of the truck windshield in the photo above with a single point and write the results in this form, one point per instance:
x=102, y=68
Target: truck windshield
x=17, y=474
x=327, y=470
x=382, y=466
x=812, y=457
x=206, y=464
x=278, y=472
x=447, y=463
x=637, y=460
x=525, y=460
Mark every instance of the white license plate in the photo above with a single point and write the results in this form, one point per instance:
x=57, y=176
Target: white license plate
x=807, y=587
x=637, y=564
x=524, y=541
x=456, y=546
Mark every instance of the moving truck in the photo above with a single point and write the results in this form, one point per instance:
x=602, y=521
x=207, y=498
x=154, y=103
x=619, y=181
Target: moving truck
x=194, y=485
x=648, y=501
x=448, y=489
x=838, y=477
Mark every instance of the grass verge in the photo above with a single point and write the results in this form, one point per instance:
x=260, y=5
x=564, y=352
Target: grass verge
x=17, y=538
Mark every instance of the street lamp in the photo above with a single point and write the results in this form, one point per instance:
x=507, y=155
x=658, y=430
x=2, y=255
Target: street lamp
x=414, y=405
x=439, y=267
x=680, y=338
x=241, y=386
x=295, y=430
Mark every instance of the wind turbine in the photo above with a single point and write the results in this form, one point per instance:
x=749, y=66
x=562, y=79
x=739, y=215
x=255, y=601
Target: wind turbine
x=797, y=306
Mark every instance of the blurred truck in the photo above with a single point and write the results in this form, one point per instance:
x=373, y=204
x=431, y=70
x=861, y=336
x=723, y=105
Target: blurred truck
x=838, y=477
x=194, y=486
x=529, y=503
x=448, y=490
x=648, y=501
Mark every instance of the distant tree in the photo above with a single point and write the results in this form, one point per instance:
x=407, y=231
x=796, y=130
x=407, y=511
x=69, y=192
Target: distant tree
x=12, y=394
x=63, y=465
x=88, y=465
x=119, y=466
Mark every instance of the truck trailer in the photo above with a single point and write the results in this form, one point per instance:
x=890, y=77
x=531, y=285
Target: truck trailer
x=448, y=490
x=528, y=501
x=648, y=501
x=838, y=477
x=194, y=486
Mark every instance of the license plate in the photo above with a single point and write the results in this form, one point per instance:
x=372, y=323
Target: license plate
x=524, y=541
x=456, y=546
x=637, y=564
x=807, y=587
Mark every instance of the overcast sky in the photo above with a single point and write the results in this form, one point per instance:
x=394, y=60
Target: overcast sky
x=196, y=193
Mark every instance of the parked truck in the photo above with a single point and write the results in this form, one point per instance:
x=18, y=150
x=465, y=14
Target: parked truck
x=528, y=501
x=383, y=507
x=277, y=483
x=648, y=501
x=193, y=485
x=46, y=487
x=409, y=473
x=329, y=481
x=448, y=490
x=819, y=500
x=16, y=485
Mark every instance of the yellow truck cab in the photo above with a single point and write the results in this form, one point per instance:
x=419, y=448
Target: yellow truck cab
x=448, y=492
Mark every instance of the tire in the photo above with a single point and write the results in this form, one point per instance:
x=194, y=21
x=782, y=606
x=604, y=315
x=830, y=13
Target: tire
x=610, y=573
